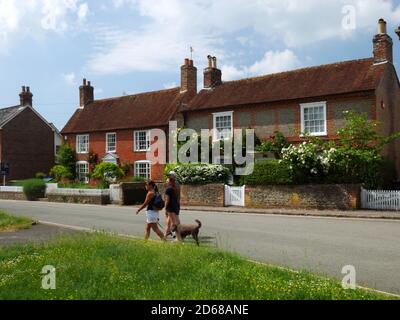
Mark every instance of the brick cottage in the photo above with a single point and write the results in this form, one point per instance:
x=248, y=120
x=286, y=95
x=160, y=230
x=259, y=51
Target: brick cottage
x=310, y=100
x=27, y=140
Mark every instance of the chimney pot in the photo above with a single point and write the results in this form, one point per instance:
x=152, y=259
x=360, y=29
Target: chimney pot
x=187, y=62
x=25, y=97
x=382, y=26
x=84, y=82
x=212, y=75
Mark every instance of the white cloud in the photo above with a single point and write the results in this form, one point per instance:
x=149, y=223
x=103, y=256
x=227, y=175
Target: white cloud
x=272, y=62
x=174, y=25
x=19, y=18
x=70, y=78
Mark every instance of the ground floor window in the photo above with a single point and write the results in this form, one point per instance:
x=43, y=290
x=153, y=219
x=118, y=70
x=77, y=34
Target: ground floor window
x=143, y=169
x=82, y=171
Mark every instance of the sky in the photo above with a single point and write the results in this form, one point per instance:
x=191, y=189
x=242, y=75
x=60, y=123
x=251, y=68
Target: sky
x=130, y=46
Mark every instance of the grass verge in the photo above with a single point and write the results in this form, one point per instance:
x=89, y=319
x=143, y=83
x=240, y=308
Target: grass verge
x=100, y=266
x=12, y=223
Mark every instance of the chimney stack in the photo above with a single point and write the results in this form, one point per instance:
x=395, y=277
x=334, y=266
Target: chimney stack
x=383, y=44
x=212, y=75
x=189, y=77
x=25, y=97
x=86, y=93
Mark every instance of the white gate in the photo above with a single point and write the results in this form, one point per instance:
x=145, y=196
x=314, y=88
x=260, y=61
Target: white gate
x=235, y=196
x=380, y=200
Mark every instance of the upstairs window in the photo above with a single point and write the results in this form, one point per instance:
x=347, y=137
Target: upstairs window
x=223, y=126
x=111, y=142
x=142, y=141
x=313, y=119
x=82, y=143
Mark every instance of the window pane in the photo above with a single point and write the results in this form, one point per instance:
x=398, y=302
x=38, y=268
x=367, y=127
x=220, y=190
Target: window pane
x=223, y=127
x=314, y=120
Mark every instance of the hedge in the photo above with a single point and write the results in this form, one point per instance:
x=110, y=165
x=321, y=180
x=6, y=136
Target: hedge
x=269, y=172
x=34, y=189
x=199, y=173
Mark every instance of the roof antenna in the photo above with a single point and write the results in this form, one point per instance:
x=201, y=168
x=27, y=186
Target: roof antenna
x=191, y=53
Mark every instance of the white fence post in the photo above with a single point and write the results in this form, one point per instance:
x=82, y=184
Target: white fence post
x=380, y=199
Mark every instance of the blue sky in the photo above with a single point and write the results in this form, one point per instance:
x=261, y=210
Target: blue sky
x=130, y=46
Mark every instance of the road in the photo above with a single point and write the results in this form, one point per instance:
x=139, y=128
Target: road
x=320, y=245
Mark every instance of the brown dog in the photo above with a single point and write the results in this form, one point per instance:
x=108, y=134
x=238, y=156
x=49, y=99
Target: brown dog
x=182, y=231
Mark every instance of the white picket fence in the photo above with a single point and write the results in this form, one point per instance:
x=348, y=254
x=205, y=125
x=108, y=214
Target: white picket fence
x=380, y=199
x=80, y=192
x=11, y=189
x=235, y=196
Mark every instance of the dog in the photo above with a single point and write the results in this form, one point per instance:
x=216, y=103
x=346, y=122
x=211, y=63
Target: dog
x=182, y=231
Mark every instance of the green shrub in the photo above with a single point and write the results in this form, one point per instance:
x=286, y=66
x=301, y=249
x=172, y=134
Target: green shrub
x=269, y=172
x=34, y=189
x=107, y=173
x=58, y=173
x=41, y=175
x=199, y=173
x=66, y=157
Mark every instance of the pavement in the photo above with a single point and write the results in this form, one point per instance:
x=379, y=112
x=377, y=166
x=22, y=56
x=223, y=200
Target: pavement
x=362, y=214
x=39, y=233
x=323, y=245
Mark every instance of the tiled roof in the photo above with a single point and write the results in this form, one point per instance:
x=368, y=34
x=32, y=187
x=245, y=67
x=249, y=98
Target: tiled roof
x=140, y=111
x=337, y=78
x=8, y=113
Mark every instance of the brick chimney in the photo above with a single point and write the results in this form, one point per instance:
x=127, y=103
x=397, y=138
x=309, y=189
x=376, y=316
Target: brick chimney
x=25, y=97
x=189, y=77
x=383, y=44
x=212, y=75
x=86, y=93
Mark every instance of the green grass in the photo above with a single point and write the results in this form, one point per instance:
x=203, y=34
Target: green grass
x=100, y=266
x=11, y=223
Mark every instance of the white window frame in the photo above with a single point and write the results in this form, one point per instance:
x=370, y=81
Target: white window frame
x=78, y=172
x=215, y=132
x=143, y=162
x=78, y=145
x=108, y=150
x=304, y=106
x=135, y=145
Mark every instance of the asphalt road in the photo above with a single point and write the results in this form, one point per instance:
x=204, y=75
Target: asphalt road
x=321, y=245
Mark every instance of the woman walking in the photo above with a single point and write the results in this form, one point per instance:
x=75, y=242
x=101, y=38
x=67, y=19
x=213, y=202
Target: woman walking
x=172, y=205
x=152, y=214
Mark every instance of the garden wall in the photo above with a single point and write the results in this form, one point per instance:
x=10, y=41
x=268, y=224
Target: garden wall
x=321, y=197
x=82, y=196
x=191, y=195
x=12, y=196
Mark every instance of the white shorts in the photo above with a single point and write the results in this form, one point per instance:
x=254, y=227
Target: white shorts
x=152, y=216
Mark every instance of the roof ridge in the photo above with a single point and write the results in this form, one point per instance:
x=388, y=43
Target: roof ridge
x=6, y=108
x=295, y=70
x=139, y=94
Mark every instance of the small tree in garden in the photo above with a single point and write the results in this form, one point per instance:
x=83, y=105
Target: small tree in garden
x=107, y=173
x=355, y=158
x=66, y=157
x=275, y=144
x=60, y=173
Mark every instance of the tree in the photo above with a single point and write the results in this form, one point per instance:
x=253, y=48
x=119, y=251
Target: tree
x=66, y=157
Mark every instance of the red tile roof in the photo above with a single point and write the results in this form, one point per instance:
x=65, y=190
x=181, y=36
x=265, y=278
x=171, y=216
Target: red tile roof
x=337, y=78
x=140, y=111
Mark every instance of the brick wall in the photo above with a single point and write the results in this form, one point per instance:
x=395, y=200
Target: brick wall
x=82, y=199
x=27, y=145
x=285, y=117
x=125, y=149
x=321, y=197
x=13, y=196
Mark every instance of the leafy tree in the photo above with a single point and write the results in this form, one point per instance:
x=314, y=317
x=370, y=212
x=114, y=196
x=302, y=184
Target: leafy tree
x=59, y=173
x=66, y=157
